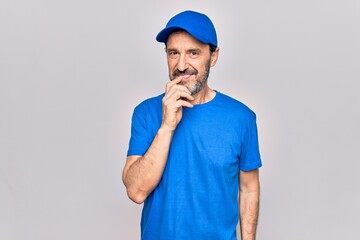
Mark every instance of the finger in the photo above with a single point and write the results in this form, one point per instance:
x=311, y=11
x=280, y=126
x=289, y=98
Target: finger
x=177, y=89
x=187, y=97
x=173, y=82
x=183, y=103
x=180, y=93
x=177, y=79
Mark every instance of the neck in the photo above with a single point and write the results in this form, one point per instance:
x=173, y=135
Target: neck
x=205, y=95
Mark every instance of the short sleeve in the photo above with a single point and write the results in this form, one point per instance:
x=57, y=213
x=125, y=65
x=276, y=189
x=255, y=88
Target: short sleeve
x=139, y=140
x=250, y=154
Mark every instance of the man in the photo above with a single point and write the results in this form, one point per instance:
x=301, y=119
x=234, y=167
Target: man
x=192, y=148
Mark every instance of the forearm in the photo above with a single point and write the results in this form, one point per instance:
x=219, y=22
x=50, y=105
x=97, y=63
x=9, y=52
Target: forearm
x=249, y=204
x=144, y=174
x=249, y=212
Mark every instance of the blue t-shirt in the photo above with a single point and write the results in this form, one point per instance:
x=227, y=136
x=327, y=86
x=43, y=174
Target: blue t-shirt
x=197, y=196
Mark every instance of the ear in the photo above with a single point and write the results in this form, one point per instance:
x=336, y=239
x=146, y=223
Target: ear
x=214, y=57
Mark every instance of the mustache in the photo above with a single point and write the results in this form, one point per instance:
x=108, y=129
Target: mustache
x=187, y=71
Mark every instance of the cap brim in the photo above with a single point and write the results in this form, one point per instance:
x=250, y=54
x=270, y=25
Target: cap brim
x=164, y=34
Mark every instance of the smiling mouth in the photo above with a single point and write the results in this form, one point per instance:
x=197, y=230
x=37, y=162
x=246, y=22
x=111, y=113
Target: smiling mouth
x=186, y=74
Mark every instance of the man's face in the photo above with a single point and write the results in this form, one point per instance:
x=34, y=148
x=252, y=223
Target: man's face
x=189, y=59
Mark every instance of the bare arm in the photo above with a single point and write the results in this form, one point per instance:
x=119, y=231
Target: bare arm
x=249, y=203
x=142, y=174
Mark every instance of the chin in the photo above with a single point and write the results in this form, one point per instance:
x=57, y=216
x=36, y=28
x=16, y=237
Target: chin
x=194, y=90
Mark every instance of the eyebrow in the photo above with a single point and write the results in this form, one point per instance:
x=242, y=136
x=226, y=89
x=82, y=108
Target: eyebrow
x=171, y=49
x=188, y=50
x=194, y=49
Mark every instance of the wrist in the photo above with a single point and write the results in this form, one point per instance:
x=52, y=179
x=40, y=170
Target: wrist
x=165, y=129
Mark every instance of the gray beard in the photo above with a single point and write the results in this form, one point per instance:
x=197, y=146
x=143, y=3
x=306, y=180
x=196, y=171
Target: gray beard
x=199, y=84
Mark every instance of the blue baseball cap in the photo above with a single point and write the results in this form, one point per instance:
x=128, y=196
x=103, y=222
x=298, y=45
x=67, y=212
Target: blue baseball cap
x=196, y=24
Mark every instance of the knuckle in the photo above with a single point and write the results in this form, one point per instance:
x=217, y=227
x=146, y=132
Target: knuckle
x=164, y=101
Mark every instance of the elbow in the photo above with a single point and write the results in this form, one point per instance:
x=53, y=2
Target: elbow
x=137, y=197
x=135, y=194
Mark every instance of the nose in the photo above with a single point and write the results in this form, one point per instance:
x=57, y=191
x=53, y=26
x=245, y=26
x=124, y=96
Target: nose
x=182, y=63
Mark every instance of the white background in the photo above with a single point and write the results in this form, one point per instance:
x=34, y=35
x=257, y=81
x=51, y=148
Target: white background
x=71, y=73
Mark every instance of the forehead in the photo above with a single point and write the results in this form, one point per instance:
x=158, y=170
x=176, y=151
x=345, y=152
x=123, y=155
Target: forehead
x=183, y=39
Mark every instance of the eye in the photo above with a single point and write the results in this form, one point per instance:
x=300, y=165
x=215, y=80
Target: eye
x=172, y=53
x=194, y=53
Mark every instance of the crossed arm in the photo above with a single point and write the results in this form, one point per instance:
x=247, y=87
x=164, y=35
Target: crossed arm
x=249, y=203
